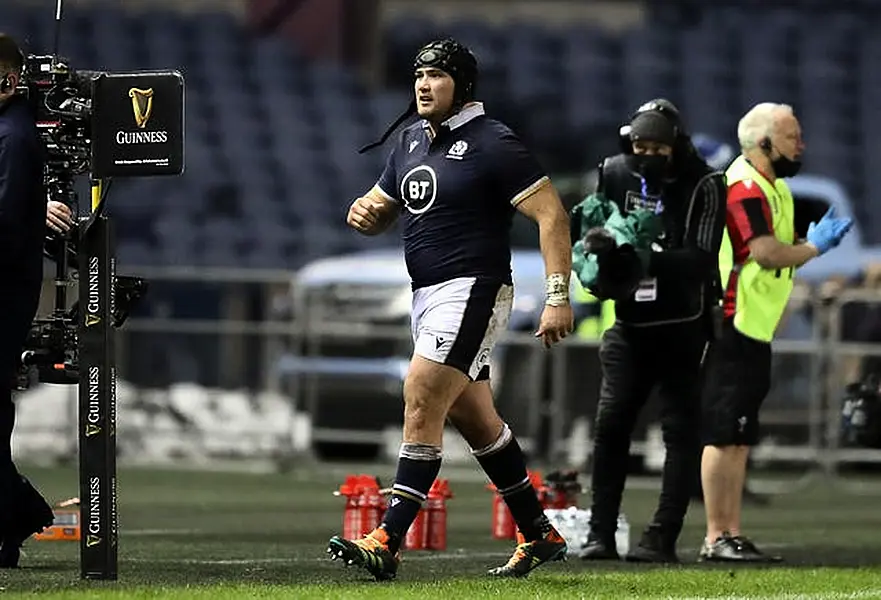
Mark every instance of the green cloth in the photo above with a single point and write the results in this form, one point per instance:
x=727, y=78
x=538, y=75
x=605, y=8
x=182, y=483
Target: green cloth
x=638, y=228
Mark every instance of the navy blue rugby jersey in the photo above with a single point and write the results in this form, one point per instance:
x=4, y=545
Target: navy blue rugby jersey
x=458, y=193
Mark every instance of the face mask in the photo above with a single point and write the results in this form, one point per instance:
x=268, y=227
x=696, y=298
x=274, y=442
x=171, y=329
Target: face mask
x=653, y=167
x=785, y=167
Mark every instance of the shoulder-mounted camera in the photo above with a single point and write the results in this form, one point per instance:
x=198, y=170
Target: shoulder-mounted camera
x=861, y=414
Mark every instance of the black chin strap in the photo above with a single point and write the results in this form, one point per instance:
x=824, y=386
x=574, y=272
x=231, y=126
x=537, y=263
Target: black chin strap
x=411, y=110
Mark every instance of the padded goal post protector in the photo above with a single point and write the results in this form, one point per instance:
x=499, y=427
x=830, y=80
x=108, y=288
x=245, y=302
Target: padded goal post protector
x=97, y=404
x=138, y=124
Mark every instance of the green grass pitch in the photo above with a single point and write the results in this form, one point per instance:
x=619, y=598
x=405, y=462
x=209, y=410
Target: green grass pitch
x=222, y=535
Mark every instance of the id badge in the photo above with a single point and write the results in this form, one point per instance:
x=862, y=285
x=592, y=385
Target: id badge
x=647, y=290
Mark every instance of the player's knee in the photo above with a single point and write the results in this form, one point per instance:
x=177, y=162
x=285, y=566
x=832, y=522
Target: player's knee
x=478, y=429
x=424, y=403
x=420, y=416
x=458, y=417
x=473, y=414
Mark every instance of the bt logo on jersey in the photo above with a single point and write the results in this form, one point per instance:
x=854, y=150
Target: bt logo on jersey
x=419, y=189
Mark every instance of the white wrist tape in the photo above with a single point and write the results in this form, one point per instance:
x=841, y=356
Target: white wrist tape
x=557, y=290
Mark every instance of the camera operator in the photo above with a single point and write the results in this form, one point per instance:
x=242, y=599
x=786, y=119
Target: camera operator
x=23, y=511
x=664, y=320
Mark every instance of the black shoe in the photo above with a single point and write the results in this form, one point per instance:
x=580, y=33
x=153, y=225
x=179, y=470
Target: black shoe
x=29, y=514
x=370, y=553
x=748, y=544
x=529, y=555
x=10, y=553
x=728, y=548
x=600, y=547
x=654, y=547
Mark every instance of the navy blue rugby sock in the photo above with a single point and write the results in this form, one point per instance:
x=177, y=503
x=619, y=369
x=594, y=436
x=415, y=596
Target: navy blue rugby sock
x=418, y=466
x=505, y=465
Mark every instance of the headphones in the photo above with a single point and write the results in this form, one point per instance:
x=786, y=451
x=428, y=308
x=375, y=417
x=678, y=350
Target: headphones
x=661, y=106
x=765, y=145
x=665, y=108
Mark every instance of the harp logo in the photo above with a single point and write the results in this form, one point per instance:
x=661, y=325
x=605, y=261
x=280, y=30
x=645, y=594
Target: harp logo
x=142, y=105
x=92, y=320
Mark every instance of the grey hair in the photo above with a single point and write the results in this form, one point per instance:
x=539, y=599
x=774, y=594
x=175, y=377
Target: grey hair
x=759, y=123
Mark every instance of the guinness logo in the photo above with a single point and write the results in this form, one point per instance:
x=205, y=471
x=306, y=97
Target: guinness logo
x=92, y=430
x=92, y=540
x=142, y=105
x=92, y=320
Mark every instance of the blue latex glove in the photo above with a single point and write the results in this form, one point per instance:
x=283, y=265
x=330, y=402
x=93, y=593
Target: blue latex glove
x=828, y=233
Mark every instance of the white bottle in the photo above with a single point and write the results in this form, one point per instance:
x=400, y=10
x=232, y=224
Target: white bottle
x=622, y=536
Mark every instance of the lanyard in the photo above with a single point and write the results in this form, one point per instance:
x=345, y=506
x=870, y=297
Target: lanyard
x=659, y=206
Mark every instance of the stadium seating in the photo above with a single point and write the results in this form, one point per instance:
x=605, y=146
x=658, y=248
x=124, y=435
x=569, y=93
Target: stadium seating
x=714, y=62
x=271, y=136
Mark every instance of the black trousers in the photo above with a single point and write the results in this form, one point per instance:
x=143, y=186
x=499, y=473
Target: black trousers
x=18, y=306
x=634, y=360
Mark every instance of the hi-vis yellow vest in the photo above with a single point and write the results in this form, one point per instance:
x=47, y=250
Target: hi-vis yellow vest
x=762, y=294
x=593, y=327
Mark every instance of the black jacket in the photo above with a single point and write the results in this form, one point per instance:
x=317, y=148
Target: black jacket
x=22, y=199
x=682, y=282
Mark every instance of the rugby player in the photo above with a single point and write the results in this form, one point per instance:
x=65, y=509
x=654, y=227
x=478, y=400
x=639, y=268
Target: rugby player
x=456, y=177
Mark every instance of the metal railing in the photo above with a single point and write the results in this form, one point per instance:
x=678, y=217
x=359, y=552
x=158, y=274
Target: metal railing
x=259, y=338
x=837, y=349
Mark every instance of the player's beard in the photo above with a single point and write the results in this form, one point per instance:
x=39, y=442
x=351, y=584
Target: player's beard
x=434, y=113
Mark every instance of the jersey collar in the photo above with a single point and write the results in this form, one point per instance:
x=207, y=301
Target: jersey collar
x=466, y=115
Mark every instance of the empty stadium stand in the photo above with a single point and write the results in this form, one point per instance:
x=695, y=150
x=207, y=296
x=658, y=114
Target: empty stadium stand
x=272, y=137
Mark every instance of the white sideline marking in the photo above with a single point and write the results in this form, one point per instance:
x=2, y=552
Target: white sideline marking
x=307, y=559
x=408, y=556
x=820, y=596
x=441, y=555
x=150, y=532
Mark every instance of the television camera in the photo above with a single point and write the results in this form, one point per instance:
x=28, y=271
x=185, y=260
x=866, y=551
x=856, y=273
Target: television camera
x=68, y=107
x=61, y=98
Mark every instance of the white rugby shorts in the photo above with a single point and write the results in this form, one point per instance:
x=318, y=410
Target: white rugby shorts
x=458, y=322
